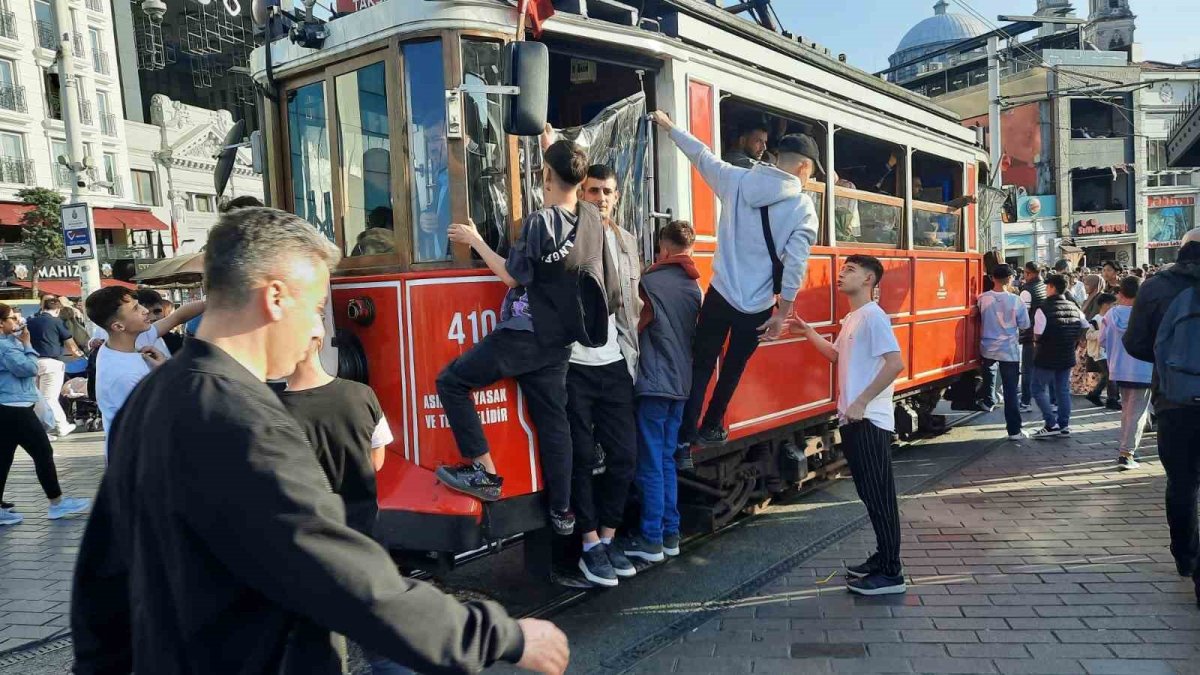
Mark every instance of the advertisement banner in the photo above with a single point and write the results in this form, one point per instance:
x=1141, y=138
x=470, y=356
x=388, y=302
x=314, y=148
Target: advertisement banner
x=1169, y=218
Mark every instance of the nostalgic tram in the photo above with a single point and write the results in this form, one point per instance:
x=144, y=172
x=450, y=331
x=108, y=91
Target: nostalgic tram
x=379, y=138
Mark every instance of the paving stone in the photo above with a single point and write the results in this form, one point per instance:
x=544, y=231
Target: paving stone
x=870, y=664
x=1127, y=667
x=817, y=666
x=952, y=665
x=940, y=636
x=1100, y=636
x=1039, y=666
x=728, y=664
x=989, y=651
x=1025, y=637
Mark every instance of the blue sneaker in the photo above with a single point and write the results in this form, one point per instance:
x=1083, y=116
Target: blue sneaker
x=620, y=564
x=10, y=517
x=69, y=505
x=636, y=546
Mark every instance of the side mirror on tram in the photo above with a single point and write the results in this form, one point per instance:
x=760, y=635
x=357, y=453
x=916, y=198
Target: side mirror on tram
x=527, y=67
x=227, y=154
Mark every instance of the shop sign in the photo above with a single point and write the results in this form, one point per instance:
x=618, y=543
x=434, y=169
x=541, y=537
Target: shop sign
x=1169, y=218
x=59, y=270
x=1088, y=227
x=1165, y=201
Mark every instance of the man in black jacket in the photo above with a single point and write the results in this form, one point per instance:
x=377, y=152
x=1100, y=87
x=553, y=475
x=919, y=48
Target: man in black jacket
x=1057, y=325
x=216, y=545
x=1178, y=426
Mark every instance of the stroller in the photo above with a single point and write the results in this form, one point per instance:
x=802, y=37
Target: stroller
x=78, y=396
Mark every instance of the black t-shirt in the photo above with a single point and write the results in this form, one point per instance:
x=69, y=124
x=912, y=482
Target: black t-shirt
x=339, y=420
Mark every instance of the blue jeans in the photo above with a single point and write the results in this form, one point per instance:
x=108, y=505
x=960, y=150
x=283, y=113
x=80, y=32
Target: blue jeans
x=1010, y=372
x=1060, y=380
x=658, y=422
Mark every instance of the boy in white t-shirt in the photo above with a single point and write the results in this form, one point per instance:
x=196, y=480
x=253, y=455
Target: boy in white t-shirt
x=129, y=353
x=868, y=362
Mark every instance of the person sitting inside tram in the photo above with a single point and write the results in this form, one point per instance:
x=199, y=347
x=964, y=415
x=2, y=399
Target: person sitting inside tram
x=433, y=225
x=558, y=289
x=749, y=146
x=765, y=215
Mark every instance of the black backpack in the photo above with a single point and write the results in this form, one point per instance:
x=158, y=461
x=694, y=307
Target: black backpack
x=1177, y=349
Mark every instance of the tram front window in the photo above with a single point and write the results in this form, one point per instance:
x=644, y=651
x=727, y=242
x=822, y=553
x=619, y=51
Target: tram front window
x=366, y=161
x=937, y=201
x=426, y=112
x=311, y=167
x=486, y=144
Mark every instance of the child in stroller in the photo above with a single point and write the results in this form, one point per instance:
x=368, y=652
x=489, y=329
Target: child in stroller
x=79, y=394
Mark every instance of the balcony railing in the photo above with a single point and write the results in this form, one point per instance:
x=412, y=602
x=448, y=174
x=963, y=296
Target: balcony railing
x=78, y=46
x=16, y=170
x=108, y=124
x=12, y=97
x=95, y=5
x=85, y=112
x=47, y=36
x=53, y=105
x=8, y=25
x=100, y=62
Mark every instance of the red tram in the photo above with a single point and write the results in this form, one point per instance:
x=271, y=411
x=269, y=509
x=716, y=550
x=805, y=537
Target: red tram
x=383, y=136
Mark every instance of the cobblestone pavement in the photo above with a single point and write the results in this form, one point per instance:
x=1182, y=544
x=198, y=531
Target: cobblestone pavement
x=1039, y=558
x=37, y=556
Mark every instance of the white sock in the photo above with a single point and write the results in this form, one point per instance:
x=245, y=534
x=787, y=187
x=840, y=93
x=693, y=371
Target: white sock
x=607, y=541
x=589, y=545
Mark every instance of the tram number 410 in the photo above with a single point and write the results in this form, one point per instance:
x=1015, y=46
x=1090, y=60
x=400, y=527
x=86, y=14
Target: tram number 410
x=481, y=323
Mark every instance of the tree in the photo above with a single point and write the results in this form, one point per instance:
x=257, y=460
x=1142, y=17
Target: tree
x=41, y=228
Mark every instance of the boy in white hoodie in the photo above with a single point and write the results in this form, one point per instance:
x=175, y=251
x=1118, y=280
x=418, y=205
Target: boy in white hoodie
x=765, y=216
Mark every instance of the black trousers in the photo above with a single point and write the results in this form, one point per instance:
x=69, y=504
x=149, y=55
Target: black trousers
x=718, y=321
x=868, y=451
x=1104, y=384
x=600, y=410
x=542, y=373
x=1179, y=453
x=21, y=426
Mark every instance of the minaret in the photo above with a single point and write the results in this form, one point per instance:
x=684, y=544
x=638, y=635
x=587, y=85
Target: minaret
x=1053, y=8
x=1112, y=24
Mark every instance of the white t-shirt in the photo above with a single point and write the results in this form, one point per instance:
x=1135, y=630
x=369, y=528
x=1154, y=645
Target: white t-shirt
x=382, y=435
x=1002, y=316
x=865, y=338
x=99, y=333
x=117, y=373
x=610, y=351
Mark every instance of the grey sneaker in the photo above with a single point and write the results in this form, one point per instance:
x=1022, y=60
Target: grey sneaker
x=671, y=544
x=619, y=562
x=596, y=568
x=68, y=506
x=472, y=479
x=636, y=546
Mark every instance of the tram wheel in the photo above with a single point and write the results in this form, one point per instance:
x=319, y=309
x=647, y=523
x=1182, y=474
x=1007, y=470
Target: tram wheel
x=737, y=495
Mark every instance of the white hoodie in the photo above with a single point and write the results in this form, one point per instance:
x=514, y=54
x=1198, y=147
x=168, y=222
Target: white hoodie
x=742, y=267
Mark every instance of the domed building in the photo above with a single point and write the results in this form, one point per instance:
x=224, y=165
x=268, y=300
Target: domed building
x=936, y=32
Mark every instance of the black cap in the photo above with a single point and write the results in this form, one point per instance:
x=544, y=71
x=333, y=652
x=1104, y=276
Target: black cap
x=801, y=144
x=1002, y=271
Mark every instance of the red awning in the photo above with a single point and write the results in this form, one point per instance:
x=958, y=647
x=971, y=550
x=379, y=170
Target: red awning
x=68, y=287
x=10, y=213
x=126, y=219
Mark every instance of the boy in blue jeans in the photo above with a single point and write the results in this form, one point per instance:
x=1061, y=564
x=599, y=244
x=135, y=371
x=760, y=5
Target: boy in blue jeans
x=671, y=298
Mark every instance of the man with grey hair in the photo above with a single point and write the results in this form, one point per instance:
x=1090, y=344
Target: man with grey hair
x=765, y=216
x=1178, y=422
x=217, y=546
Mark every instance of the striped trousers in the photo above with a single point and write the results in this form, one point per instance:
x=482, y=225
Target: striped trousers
x=868, y=450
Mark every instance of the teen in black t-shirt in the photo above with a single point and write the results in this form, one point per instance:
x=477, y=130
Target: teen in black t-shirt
x=345, y=425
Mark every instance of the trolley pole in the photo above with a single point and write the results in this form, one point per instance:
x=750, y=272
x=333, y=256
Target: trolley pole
x=996, y=148
x=89, y=268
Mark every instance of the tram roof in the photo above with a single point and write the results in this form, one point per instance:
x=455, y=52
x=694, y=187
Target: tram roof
x=691, y=23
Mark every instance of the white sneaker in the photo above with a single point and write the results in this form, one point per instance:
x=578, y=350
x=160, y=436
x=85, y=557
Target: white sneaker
x=10, y=517
x=1125, y=463
x=1019, y=436
x=69, y=505
x=1046, y=432
x=65, y=431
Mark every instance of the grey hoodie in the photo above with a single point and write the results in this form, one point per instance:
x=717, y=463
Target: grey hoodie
x=742, y=267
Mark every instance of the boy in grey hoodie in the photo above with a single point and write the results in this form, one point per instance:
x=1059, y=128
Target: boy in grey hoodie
x=765, y=215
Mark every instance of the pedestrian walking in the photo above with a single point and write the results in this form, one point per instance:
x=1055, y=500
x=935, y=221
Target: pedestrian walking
x=1003, y=316
x=1132, y=376
x=765, y=216
x=1163, y=330
x=51, y=339
x=1033, y=294
x=19, y=424
x=1097, y=358
x=1057, y=325
x=216, y=545
x=868, y=361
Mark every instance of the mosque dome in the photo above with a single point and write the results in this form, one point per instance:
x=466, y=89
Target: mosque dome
x=941, y=29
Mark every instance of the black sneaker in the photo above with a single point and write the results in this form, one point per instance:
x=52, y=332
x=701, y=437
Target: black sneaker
x=6, y=505
x=864, y=569
x=710, y=436
x=1113, y=405
x=619, y=562
x=671, y=544
x=1184, y=569
x=877, y=583
x=562, y=521
x=683, y=457
x=472, y=479
x=636, y=546
x=1094, y=399
x=596, y=568
x=1046, y=432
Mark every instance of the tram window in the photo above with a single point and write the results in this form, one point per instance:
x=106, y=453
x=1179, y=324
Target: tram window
x=366, y=161
x=311, y=168
x=486, y=144
x=868, y=206
x=426, y=112
x=937, y=201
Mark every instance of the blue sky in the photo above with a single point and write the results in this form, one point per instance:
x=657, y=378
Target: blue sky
x=869, y=30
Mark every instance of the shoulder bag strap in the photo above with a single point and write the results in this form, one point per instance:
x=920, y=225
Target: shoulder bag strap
x=776, y=263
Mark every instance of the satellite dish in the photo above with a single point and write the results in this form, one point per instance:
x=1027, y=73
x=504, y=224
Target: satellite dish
x=228, y=154
x=260, y=11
